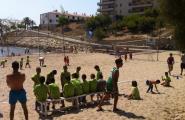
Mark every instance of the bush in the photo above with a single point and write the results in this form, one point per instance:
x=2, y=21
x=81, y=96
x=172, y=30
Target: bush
x=146, y=24
x=99, y=34
x=98, y=21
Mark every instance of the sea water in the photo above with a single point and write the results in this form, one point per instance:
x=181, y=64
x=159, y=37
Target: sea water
x=15, y=50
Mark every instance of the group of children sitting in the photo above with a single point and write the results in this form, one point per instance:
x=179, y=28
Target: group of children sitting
x=72, y=85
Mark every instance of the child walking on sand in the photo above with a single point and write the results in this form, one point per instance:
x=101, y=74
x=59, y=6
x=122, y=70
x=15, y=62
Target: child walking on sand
x=27, y=62
x=21, y=63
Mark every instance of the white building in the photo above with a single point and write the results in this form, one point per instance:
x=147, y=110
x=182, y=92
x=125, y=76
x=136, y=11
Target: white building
x=50, y=19
x=125, y=7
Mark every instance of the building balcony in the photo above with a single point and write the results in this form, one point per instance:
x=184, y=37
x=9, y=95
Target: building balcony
x=105, y=3
x=141, y=4
x=105, y=9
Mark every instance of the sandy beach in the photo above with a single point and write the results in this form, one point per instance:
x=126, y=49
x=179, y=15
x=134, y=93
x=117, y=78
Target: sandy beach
x=169, y=105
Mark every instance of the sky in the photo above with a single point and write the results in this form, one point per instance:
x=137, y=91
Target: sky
x=18, y=9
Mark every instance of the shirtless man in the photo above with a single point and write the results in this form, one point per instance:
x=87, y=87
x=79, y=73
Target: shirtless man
x=17, y=93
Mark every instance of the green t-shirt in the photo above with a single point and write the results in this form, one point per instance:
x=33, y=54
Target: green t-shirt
x=36, y=79
x=69, y=90
x=110, y=80
x=50, y=76
x=135, y=93
x=41, y=92
x=78, y=87
x=85, y=86
x=93, y=85
x=63, y=77
x=98, y=75
x=168, y=79
x=54, y=91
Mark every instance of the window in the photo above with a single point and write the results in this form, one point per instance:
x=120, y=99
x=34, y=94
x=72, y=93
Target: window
x=120, y=5
x=50, y=20
x=57, y=16
x=120, y=11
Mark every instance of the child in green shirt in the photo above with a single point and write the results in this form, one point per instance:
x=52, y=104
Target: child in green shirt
x=166, y=80
x=97, y=68
x=135, y=95
x=36, y=77
x=69, y=88
x=92, y=86
x=85, y=87
x=41, y=92
x=54, y=91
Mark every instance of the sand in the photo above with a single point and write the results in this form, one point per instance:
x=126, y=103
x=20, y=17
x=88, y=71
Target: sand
x=168, y=105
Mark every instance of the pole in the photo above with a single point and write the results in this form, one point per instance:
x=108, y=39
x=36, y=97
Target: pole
x=63, y=40
x=39, y=42
x=158, y=44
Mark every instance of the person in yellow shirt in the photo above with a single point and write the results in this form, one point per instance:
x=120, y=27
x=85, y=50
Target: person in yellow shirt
x=166, y=80
x=36, y=77
x=135, y=95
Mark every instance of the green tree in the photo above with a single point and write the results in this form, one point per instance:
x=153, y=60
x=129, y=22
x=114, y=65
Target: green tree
x=152, y=13
x=131, y=22
x=99, y=34
x=28, y=22
x=21, y=26
x=173, y=11
x=62, y=21
x=146, y=24
x=91, y=23
x=103, y=21
x=117, y=25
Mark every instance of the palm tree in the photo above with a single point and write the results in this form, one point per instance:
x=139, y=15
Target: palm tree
x=28, y=22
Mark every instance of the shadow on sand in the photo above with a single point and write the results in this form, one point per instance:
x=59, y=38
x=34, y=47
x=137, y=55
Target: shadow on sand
x=128, y=115
x=58, y=113
x=1, y=115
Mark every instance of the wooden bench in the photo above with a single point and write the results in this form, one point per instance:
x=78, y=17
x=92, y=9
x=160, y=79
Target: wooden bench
x=43, y=108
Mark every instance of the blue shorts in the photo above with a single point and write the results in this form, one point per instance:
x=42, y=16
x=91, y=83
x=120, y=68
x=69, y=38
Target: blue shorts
x=17, y=95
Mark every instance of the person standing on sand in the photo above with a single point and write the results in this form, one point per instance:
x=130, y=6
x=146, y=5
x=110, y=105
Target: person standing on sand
x=67, y=60
x=183, y=62
x=170, y=62
x=112, y=85
x=17, y=93
x=21, y=63
x=41, y=61
x=27, y=62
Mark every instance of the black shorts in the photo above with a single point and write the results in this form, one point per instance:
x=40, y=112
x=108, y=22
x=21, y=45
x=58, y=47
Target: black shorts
x=182, y=65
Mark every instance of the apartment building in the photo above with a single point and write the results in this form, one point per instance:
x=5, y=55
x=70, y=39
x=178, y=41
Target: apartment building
x=125, y=7
x=50, y=19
